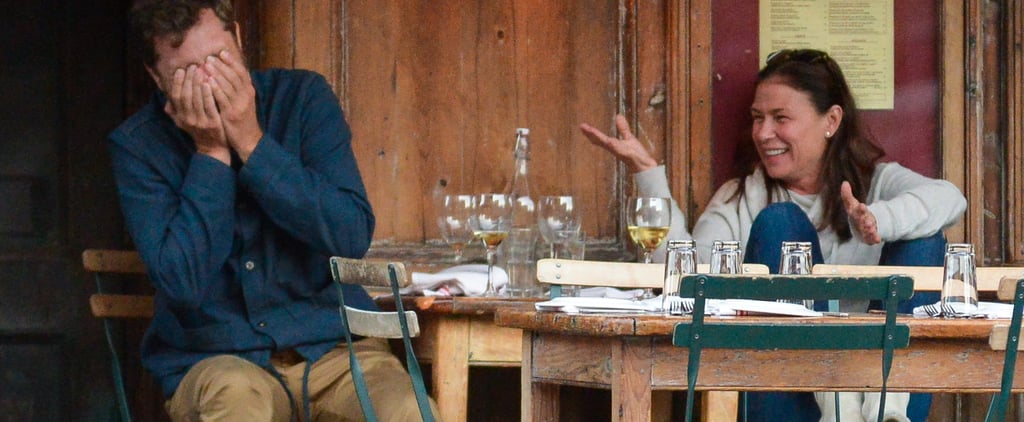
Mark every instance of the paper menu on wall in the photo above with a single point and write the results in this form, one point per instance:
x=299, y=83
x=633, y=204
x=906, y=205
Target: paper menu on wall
x=858, y=34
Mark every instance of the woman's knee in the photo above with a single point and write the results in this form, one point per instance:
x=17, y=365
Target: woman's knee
x=925, y=251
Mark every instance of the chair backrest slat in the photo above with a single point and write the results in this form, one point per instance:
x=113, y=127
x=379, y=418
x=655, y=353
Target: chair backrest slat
x=119, y=265
x=112, y=261
x=797, y=287
x=794, y=336
x=625, y=275
x=368, y=273
x=927, y=279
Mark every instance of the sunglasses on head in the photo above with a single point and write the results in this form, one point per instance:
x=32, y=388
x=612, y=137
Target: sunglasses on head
x=808, y=56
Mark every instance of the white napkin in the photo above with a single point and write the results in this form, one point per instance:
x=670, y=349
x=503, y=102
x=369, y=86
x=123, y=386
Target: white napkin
x=611, y=292
x=989, y=310
x=603, y=305
x=469, y=279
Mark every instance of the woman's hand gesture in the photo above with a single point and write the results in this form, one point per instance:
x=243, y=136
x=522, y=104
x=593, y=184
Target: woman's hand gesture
x=627, y=148
x=863, y=222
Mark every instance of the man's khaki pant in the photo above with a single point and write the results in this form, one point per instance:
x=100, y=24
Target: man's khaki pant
x=228, y=388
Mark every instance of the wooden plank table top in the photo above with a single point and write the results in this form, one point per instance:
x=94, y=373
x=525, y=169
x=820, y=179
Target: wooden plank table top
x=459, y=332
x=632, y=355
x=528, y=318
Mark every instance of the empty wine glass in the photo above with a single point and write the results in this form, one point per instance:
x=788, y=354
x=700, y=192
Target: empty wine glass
x=491, y=219
x=559, y=219
x=648, y=220
x=454, y=213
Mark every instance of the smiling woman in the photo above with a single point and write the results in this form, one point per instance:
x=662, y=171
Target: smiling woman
x=811, y=174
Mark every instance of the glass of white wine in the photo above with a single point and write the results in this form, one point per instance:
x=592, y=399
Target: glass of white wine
x=491, y=219
x=648, y=220
x=454, y=212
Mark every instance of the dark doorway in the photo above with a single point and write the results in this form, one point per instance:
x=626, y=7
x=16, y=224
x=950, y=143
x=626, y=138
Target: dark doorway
x=62, y=89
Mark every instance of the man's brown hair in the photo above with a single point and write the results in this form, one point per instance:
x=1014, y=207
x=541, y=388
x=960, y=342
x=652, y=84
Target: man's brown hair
x=151, y=19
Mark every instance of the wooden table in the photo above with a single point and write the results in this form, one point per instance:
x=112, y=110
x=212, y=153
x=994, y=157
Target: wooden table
x=459, y=332
x=632, y=355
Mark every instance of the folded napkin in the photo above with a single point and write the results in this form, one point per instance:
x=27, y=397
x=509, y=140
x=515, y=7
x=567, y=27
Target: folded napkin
x=611, y=292
x=732, y=307
x=469, y=279
x=727, y=307
x=603, y=305
x=989, y=310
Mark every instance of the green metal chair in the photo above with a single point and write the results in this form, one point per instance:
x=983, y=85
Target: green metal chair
x=698, y=334
x=1010, y=288
x=399, y=324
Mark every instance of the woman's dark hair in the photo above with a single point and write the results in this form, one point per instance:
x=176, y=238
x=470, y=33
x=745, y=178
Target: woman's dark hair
x=151, y=19
x=851, y=153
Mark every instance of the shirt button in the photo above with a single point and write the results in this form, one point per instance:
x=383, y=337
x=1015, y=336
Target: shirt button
x=262, y=324
x=249, y=265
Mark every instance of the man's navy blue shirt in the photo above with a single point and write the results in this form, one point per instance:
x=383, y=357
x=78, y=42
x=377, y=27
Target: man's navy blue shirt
x=239, y=254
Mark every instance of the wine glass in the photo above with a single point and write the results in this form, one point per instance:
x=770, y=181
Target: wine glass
x=492, y=216
x=648, y=220
x=454, y=213
x=559, y=219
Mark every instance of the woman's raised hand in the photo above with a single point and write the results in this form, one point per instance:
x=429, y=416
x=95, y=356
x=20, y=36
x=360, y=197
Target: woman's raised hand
x=861, y=218
x=627, y=148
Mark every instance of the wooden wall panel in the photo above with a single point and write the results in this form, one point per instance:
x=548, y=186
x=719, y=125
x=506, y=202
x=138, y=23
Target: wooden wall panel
x=433, y=92
x=953, y=110
x=1015, y=131
x=442, y=87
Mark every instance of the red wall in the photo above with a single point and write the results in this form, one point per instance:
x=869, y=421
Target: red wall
x=908, y=133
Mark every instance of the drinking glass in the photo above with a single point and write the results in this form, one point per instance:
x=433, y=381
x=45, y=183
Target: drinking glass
x=491, y=218
x=680, y=259
x=725, y=257
x=796, y=260
x=576, y=246
x=559, y=219
x=959, y=283
x=571, y=246
x=454, y=213
x=648, y=220
x=521, y=262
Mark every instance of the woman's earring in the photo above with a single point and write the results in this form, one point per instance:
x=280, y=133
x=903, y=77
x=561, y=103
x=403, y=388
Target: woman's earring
x=828, y=134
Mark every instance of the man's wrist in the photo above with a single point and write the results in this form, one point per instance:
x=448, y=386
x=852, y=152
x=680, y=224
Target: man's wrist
x=220, y=154
x=247, y=145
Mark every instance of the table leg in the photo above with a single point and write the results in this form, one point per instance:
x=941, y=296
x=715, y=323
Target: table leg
x=451, y=368
x=539, y=402
x=721, y=405
x=631, y=380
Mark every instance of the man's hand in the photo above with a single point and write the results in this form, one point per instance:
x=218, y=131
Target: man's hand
x=190, y=103
x=861, y=219
x=236, y=99
x=628, y=149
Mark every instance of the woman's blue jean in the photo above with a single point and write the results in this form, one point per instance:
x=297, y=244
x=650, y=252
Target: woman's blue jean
x=785, y=221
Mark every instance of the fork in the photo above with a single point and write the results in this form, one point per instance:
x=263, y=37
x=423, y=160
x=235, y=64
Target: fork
x=676, y=307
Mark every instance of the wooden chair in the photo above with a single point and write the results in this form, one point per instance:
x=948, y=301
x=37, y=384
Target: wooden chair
x=106, y=265
x=109, y=264
x=399, y=324
x=697, y=335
